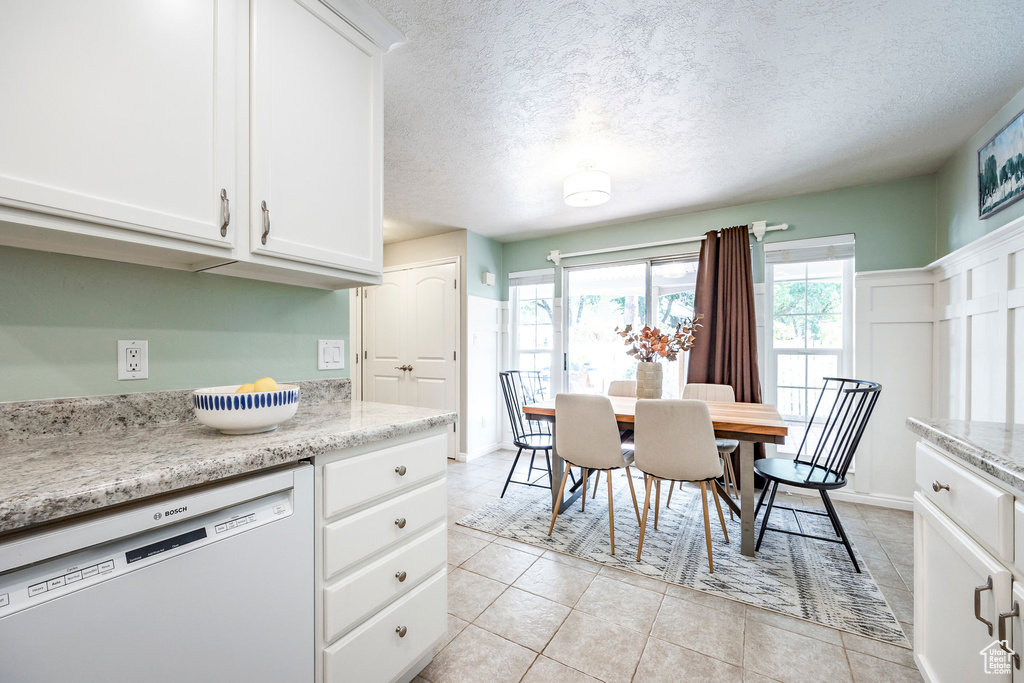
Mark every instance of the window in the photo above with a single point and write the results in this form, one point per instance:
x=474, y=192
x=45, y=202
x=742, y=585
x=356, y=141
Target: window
x=531, y=304
x=601, y=298
x=809, y=300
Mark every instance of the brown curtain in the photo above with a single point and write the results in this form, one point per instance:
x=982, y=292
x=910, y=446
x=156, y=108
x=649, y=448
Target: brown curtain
x=725, y=351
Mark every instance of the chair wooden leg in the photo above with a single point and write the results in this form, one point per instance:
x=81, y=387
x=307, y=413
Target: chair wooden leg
x=668, y=503
x=561, y=490
x=707, y=523
x=584, y=496
x=597, y=480
x=643, y=522
x=632, y=492
x=657, y=501
x=721, y=517
x=611, y=511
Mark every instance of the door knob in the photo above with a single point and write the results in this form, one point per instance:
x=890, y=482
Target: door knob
x=400, y=576
x=401, y=631
x=400, y=470
x=400, y=522
x=936, y=486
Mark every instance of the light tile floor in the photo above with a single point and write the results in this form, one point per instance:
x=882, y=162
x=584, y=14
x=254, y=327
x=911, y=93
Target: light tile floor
x=519, y=613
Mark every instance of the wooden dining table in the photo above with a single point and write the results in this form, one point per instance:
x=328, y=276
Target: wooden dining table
x=748, y=423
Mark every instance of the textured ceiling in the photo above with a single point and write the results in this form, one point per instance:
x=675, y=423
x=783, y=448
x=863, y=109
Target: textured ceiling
x=688, y=105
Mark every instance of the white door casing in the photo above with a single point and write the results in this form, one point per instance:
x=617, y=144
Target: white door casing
x=121, y=113
x=411, y=321
x=316, y=138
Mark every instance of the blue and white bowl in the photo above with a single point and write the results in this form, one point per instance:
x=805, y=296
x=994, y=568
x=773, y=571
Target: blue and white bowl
x=250, y=413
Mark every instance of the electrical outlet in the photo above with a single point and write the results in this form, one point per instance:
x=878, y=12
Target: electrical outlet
x=132, y=359
x=330, y=354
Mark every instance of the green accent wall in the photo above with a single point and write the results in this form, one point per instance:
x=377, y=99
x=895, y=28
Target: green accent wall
x=957, y=188
x=484, y=255
x=894, y=224
x=61, y=317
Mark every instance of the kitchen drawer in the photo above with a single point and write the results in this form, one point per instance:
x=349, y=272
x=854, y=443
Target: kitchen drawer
x=348, y=483
x=357, y=536
x=375, y=652
x=353, y=598
x=983, y=510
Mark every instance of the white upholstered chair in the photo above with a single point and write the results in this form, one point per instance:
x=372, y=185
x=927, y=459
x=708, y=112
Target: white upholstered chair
x=675, y=440
x=622, y=387
x=724, y=394
x=587, y=436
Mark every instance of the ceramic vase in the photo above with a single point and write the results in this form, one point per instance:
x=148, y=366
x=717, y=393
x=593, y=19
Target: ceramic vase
x=648, y=380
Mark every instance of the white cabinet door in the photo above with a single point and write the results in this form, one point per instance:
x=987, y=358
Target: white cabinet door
x=410, y=333
x=120, y=113
x=951, y=600
x=316, y=138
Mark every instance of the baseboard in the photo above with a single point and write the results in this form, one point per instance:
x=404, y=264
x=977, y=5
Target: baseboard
x=875, y=499
x=480, y=452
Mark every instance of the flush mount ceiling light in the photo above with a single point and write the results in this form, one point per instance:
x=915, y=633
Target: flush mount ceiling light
x=587, y=187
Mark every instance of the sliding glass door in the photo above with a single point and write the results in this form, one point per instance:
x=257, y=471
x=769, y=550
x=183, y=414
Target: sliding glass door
x=601, y=298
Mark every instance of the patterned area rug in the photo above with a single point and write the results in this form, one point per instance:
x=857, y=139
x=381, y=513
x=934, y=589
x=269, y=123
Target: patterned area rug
x=804, y=578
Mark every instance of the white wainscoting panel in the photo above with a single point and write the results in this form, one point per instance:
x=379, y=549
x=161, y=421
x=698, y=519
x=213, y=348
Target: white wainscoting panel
x=979, y=369
x=483, y=357
x=894, y=337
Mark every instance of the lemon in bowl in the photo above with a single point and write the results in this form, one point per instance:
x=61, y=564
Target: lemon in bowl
x=246, y=409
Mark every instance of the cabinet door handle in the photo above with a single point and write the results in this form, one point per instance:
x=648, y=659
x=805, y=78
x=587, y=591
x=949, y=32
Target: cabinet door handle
x=936, y=486
x=401, y=577
x=400, y=523
x=1015, y=612
x=266, y=221
x=400, y=470
x=401, y=631
x=225, y=212
x=978, y=590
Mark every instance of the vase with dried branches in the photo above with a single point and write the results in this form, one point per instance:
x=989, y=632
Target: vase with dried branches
x=649, y=344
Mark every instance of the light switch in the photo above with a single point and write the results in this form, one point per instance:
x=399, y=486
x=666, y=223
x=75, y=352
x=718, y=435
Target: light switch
x=330, y=354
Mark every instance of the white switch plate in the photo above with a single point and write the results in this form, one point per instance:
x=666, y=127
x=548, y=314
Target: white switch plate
x=132, y=359
x=330, y=354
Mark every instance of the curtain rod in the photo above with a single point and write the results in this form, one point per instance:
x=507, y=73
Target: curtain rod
x=757, y=229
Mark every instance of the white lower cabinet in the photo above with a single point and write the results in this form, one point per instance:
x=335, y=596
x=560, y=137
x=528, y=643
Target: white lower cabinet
x=959, y=591
x=382, y=560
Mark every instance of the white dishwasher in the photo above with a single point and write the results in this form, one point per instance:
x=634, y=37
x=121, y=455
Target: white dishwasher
x=214, y=585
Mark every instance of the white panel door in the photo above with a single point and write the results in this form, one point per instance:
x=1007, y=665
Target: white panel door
x=951, y=569
x=120, y=112
x=316, y=138
x=410, y=339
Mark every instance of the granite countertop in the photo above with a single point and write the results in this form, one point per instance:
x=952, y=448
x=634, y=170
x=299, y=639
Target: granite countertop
x=57, y=474
x=992, y=447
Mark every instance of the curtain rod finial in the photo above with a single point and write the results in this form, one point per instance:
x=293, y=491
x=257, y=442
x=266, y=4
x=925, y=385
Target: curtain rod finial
x=555, y=257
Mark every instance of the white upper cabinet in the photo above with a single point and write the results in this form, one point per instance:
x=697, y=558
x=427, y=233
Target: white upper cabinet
x=120, y=113
x=316, y=138
x=133, y=130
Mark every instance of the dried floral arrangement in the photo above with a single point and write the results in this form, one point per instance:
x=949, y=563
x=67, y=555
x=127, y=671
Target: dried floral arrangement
x=649, y=343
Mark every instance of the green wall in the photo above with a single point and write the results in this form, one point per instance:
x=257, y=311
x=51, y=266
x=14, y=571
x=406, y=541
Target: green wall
x=61, y=316
x=483, y=255
x=894, y=224
x=957, y=194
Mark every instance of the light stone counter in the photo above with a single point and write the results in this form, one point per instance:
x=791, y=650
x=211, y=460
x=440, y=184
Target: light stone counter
x=67, y=457
x=993, y=447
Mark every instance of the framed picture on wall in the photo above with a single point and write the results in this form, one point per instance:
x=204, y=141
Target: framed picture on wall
x=1001, y=168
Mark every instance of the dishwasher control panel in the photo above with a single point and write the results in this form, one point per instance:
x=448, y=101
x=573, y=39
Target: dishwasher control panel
x=24, y=588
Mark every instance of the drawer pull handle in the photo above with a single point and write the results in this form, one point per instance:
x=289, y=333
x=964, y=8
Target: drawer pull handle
x=401, y=577
x=936, y=486
x=400, y=523
x=400, y=470
x=1015, y=612
x=978, y=590
x=401, y=631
